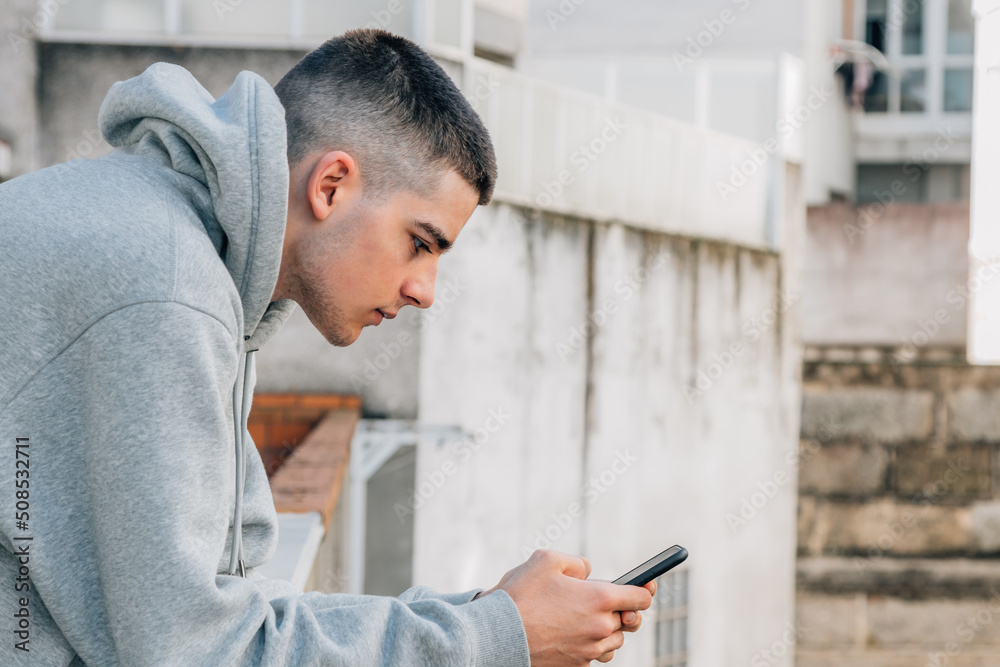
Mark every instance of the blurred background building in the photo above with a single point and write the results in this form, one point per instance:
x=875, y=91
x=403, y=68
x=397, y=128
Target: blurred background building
x=720, y=299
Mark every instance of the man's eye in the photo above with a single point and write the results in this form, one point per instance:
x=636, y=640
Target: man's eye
x=418, y=243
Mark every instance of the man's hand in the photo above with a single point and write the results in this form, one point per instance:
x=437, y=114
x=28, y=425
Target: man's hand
x=631, y=620
x=569, y=620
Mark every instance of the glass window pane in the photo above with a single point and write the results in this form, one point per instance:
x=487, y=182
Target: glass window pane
x=110, y=15
x=877, y=95
x=913, y=27
x=324, y=19
x=879, y=181
x=875, y=24
x=912, y=91
x=249, y=18
x=961, y=27
x=662, y=639
x=678, y=641
x=958, y=90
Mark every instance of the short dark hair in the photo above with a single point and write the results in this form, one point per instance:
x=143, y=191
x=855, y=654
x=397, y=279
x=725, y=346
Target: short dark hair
x=382, y=99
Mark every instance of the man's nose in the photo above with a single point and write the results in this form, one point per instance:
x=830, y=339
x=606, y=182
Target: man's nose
x=419, y=290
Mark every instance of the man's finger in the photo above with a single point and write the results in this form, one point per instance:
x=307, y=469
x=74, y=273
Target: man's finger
x=631, y=620
x=624, y=598
x=577, y=567
x=613, y=642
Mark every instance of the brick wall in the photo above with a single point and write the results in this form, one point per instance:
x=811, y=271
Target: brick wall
x=279, y=422
x=899, y=509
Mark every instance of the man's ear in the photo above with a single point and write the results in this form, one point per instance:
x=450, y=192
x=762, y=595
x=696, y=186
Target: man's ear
x=334, y=182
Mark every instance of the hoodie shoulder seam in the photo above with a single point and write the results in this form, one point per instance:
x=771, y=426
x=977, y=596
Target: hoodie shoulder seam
x=57, y=352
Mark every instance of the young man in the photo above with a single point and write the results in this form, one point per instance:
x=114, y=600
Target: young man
x=139, y=285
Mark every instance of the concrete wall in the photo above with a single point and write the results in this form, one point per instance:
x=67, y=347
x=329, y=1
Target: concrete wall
x=707, y=63
x=74, y=78
x=886, y=276
x=674, y=425
x=829, y=145
x=761, y=28
x=18, y=69
x=899, y=513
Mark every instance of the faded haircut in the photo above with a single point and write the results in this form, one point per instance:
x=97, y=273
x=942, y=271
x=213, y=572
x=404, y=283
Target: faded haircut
x=384, y=101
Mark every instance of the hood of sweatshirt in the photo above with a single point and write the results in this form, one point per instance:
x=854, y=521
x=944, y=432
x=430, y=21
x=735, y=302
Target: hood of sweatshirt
x=235, y=147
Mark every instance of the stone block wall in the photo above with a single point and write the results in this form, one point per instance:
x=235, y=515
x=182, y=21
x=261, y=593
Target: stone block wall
x=899, y=510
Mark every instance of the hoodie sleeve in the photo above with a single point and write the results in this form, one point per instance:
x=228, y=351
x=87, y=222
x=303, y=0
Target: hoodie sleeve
x=133, y=511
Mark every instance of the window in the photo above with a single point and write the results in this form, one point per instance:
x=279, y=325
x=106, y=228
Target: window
x=961, y=27
x=912, y=182
x=875, y=24
x=672, y=619
x=913, y=28
x=929, y=44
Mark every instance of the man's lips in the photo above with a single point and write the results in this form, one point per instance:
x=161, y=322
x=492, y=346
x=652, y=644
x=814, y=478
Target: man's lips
x=379, y=314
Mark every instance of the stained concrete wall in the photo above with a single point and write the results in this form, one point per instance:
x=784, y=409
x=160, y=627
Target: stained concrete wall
x=651, y=430
x=886, y=276
x=74, y=78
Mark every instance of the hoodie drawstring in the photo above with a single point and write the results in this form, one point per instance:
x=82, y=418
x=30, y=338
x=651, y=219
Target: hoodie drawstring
x=236, y=565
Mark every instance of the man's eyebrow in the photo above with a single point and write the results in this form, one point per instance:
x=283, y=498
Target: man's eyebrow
x=435, y=232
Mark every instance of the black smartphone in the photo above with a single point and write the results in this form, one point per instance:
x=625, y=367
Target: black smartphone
x=653, y=567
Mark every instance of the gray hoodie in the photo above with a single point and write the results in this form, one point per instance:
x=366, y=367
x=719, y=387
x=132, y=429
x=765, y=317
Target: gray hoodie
x=136, y=288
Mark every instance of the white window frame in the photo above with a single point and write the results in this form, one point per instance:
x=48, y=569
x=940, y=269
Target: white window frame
x=934, y=60
x=666, y=612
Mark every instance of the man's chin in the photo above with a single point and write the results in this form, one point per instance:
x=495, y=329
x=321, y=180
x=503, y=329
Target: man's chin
x=348, y=339
x=342, y=338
